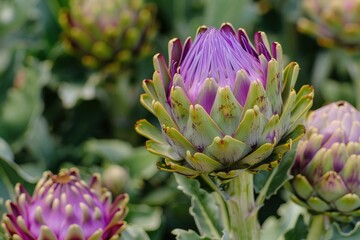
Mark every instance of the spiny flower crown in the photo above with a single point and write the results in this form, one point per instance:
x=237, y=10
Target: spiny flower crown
x=223, y=104
x=221, y=58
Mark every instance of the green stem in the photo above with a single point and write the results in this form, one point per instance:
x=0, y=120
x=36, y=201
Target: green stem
x=212, y=185
x=242, y=209
x=317, y=228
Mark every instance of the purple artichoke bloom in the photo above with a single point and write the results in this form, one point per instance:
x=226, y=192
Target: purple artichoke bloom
x=327, y=164
x=64, y=207
x=222, y=104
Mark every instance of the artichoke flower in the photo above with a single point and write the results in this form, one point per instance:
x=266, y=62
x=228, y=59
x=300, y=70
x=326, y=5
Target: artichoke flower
x=223, y=105
x=108, y=34
x=333, y=22
x=327, y=163
x=64, y=207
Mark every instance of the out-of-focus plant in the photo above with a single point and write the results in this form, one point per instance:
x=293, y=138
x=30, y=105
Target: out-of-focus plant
x=112, y=38
x=334, y=23
x=108, y=35
x=335, y=26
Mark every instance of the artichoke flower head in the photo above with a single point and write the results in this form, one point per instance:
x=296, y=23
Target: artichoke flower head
x=222, y=104
x=333, y=23
x=108, y=35
x=64, y=207
x=327, y=164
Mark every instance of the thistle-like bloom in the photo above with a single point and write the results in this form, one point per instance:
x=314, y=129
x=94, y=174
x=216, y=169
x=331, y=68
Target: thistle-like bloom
x=332, y=22
x=108, y=34
x=327, y=164
x=223, y=105
x=64, y=207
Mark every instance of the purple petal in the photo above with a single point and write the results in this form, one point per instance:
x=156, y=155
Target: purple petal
x=261, y=47
x=245, y=43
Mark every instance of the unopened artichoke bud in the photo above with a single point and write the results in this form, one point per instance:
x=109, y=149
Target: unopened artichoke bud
x=223, y=105
x=65, y=207
x=333, y=22
x=115, y=178
x=327, y=164
x=108, y=34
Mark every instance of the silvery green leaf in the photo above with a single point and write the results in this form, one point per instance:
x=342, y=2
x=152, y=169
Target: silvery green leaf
x=11, y=173
x=188, y=235
x=144, y=216
x=276, y=228
x=203, y=208
x=134, y=233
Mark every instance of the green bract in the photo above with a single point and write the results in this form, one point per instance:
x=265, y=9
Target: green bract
x=223, y=105
x=327, y=164
x=108, y=34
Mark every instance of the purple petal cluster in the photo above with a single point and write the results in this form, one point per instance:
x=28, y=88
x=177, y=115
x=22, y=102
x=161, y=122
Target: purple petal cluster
x=64, y=207
x=336, y=123
x=219, y=55
x=225, y=58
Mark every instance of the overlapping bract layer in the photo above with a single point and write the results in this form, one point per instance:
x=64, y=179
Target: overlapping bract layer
x=108, y=34
x=327, y=165
x=64, y=207
x=332, y=22
x=223, y=105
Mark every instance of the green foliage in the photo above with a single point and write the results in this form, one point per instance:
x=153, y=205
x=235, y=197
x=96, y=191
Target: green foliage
x=298, y=231
x=204, y=208
x=188, y=235
x=11, y=173
x=268, y=183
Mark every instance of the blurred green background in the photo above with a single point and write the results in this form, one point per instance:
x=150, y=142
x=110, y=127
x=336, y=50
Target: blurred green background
x=70, y=97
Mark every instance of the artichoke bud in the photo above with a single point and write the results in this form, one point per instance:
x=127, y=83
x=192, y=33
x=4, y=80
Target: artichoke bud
x=333, y=23
x=65, y=207
x=115, y=179
x=327, y=163
x=99, y=30
x=223, y=104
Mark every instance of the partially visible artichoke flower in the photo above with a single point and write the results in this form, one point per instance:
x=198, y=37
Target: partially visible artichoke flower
x=327, y=164
x=108, y=34
x=64, y=207
x=332, y=22
x=223, y=105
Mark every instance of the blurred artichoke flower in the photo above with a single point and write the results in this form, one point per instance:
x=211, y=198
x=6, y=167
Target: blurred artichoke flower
x=108, y=34
x=333, y=22
x=64, y=207
x=223, y=105
x=327, y=164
